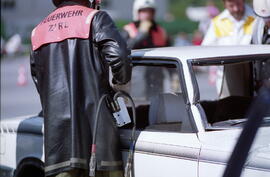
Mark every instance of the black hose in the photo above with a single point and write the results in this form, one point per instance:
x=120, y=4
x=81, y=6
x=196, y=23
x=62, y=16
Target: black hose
x=92, y=163
x=132, y=147
x=97, y=116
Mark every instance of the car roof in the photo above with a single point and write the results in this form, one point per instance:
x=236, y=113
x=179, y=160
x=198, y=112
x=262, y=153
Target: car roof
x=202, y=52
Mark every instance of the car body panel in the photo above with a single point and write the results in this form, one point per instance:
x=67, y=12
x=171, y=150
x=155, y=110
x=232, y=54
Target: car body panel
x=155, y=149
x=217, y=147
x=202, y=52
x=21, y=138
x=160, y=153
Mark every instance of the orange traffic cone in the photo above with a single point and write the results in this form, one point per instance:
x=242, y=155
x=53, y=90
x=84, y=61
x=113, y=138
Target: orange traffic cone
x=22, y=78
x=212, y=77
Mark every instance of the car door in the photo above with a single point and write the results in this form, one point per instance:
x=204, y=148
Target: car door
x=166, y=140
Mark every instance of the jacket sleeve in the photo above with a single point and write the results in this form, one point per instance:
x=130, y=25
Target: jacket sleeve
x=34, y=70
x=112, y=46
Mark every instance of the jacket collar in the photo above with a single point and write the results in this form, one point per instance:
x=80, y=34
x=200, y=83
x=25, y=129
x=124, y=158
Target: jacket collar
x=69, y=3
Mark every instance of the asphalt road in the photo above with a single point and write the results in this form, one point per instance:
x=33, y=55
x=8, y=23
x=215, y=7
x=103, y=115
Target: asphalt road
x=17, y=100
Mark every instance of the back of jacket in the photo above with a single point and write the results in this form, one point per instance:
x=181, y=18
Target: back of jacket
x=72, y=51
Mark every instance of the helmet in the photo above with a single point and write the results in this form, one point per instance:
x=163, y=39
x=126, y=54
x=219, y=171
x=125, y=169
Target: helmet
x=262, y=8
x=141, y=4
x=95, y=4
x=57, y=2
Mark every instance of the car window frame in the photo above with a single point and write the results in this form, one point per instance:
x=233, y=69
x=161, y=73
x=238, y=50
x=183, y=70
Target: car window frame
x=137, y=60
x=215, y=61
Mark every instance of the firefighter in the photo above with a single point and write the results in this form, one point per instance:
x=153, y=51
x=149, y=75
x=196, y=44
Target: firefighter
x=72, y=50
x=233, y=26
x=144, y=32
x=261, y=33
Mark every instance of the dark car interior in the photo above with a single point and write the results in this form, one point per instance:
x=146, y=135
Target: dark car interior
x=240, y=84
x=232, y=107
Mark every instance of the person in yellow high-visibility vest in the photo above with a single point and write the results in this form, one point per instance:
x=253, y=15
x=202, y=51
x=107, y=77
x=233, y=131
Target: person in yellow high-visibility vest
x=233, y=26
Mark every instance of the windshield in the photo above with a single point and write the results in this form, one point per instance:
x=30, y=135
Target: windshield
x=227, y=90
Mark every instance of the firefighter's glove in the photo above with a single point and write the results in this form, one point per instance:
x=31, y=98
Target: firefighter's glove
x=145, y=26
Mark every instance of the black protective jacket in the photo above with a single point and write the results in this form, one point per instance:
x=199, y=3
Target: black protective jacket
x=71, y=75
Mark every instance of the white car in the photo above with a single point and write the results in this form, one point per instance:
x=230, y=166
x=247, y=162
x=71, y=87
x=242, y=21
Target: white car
x=191, y=104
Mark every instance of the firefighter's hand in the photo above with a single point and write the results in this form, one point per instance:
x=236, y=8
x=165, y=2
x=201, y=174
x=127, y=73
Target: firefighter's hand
x=125, y=87
x=145, y=26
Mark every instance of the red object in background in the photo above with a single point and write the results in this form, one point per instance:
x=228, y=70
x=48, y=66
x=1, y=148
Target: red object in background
x=197, y=38
x=212, y=77
x=196, y=41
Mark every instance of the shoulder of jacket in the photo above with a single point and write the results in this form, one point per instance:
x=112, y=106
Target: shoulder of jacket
x=101, y=14
x=162, y=29
x=249, y=11
x=223, y=15
x=259, y=23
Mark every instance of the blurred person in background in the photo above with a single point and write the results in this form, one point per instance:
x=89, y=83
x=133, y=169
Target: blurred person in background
x=144, y=32
x=197, y=37
x=182, y=39
x=261, y=32
x=233, y=26
x=13, y=45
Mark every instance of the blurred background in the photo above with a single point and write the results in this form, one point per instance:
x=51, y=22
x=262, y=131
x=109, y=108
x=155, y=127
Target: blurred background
x=184, y=20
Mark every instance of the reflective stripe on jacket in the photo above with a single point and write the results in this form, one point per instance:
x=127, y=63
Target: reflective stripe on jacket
x=63, y=23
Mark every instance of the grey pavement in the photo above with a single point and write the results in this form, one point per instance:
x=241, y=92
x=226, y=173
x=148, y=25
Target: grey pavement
x=17, y=100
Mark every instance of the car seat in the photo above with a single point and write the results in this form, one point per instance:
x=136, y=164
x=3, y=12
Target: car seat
x=169, y=112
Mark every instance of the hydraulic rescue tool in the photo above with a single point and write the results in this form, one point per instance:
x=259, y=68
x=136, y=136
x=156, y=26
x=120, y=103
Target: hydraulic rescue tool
x=121, y=116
